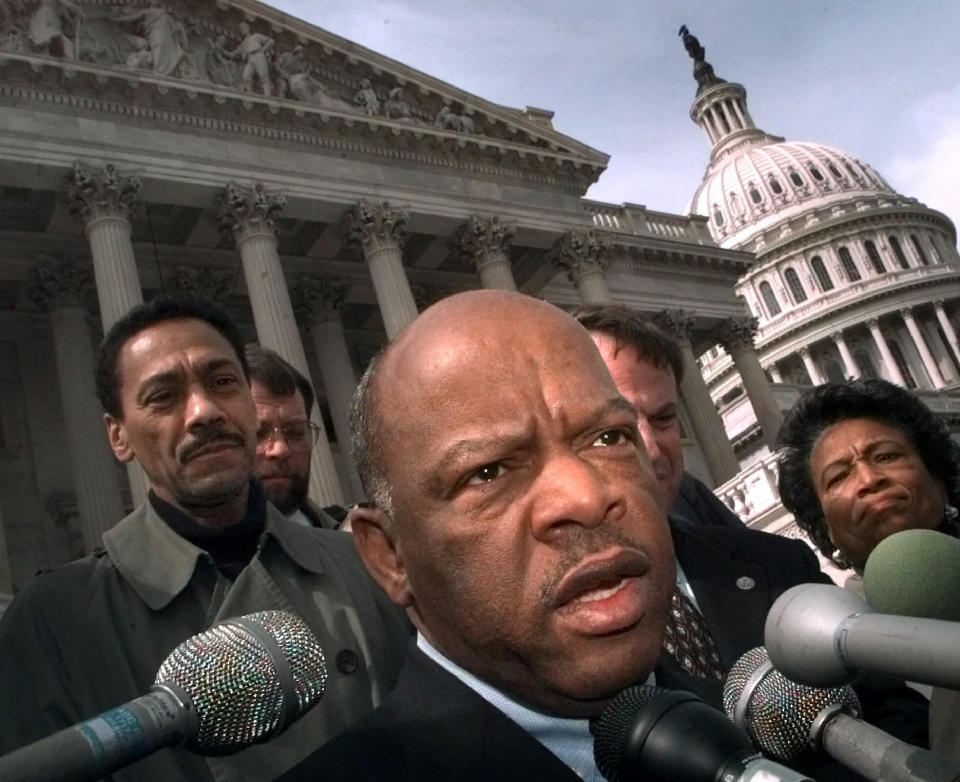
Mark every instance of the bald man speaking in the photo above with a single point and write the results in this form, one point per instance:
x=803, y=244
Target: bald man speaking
x=518, y=521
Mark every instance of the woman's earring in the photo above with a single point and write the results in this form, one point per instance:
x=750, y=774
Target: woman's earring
x=950, y=512
x=841, y=561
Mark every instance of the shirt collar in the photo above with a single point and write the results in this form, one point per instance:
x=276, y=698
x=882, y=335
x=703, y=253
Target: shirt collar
x=567, y=738
x=159, y=564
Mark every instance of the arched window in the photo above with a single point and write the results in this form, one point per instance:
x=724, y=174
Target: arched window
x=796, y=287
x=849, y=267
x=834, y=170
x=795, y=177
x=755, y=195
x=919, y=248
x=902, y=363
x=775, y=185
x=717, y=215
x=898, y=252
x=815, y=173
x=823, y=276
x=770, y=299
x=874, y=257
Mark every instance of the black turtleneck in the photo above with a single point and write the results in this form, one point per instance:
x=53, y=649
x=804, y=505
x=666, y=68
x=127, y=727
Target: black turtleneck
x=231, y=547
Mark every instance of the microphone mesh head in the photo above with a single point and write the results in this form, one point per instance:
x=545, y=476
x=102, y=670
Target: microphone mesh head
x=234, y=684
x=611, y=728
x=781, y=713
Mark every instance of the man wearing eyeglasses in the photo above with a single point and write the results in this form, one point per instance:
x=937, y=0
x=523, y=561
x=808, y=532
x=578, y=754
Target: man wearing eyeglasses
x=285, y=437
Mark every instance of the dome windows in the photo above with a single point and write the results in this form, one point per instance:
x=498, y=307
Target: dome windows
x=796, y=287
x=769, y=299
x=849, y=267
x=823, y=276
x=717, y=216
x=815, y=172
x=898, y=252
x=919, y=248
x=795, y=177
x=834, y=171
x=874, y=257
x=775, y=185
x=755, y=194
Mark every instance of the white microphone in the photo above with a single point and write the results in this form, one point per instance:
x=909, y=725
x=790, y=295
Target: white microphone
x=239, y=683
x=791, y=722
x=825, y=636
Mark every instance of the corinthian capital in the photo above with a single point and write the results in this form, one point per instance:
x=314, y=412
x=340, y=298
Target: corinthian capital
x=677, y=323
x=212, y=284
x=484, y=239
x=580, y=253
x=62, y=283
x=318, y=299
x=247, y=209
x=374, y=225
x=737, y=333
x=99, y=192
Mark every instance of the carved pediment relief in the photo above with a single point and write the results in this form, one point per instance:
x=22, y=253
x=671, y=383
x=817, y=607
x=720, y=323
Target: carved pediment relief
x=255, y=60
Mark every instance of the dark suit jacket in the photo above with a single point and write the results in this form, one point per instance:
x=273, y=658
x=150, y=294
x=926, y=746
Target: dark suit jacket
x=736, y=575
x=432, y=727
x=697, y=504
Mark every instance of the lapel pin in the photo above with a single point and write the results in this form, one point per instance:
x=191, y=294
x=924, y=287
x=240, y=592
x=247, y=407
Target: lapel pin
x=745, y=583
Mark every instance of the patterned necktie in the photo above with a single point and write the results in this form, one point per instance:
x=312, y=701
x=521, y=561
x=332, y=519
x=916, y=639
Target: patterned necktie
x=687, y=639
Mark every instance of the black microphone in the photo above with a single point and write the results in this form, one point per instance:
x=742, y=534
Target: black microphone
x=657, y=735
x=824, y=635
x=792, y=722
x=239, y=683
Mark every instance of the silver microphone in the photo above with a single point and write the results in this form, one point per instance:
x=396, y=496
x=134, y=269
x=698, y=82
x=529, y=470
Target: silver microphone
x=239, y=683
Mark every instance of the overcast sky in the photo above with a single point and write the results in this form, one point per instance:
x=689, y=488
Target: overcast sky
x=876, y=78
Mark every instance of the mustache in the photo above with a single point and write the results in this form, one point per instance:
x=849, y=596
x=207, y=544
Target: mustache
x=206, y=438
x=584, y=543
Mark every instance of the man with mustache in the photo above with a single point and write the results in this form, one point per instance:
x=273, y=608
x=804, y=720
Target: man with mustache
x=285, y=437
x=206, y=546
x=518, y=521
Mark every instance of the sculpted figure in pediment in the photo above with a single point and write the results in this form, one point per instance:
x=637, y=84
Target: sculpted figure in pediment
x=166, y=38
x=366, y=98
x=254, y=51
x=10, y=10
x=395, y=107
x=221, y=68
x=460, y=123
x=46, y=30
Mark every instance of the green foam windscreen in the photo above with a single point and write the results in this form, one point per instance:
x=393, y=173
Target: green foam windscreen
x=916, y=573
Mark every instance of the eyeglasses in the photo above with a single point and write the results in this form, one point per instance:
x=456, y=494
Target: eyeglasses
x=300, y=436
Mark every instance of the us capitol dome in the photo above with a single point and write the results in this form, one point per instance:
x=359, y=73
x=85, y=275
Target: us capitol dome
x=851, y=279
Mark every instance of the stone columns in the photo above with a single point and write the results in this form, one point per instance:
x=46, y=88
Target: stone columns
x=248, y=214
x=889, y=363
x=736, y=335
x=850, y=368
x=933, y=371
x=706, y=421
x=318, y=302
x=584, y=256
x=66, y=290
x=101, y=199
x=486, y=241
x=775, y=373
x=378, y=229
x=816, y=376
x=948, y=329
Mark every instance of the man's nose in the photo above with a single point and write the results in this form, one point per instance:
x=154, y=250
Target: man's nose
x=649, y=439
x=202, y=409
x=571, y=490
x=274, y=446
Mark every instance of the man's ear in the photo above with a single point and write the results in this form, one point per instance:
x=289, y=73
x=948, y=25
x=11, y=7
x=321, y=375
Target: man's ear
x=117, y=436
x=378, y=550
